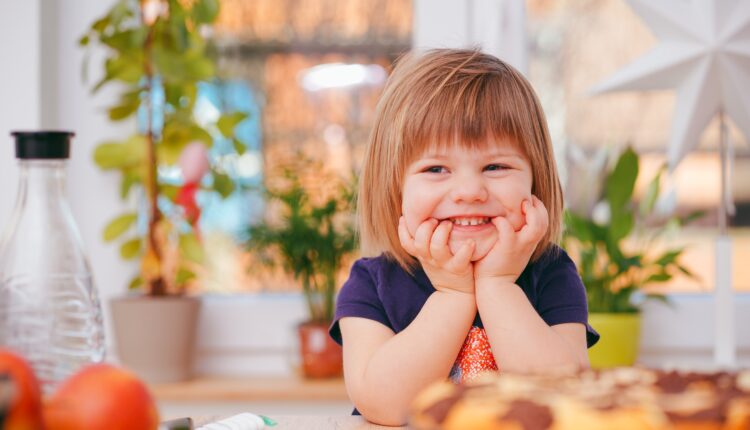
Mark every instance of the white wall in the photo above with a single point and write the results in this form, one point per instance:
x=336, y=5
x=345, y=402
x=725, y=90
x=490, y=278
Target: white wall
x=19, y=88
x=41, y=88
x=498, y=27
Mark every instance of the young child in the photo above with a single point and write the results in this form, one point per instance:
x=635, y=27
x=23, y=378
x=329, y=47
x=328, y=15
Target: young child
x=461, y=205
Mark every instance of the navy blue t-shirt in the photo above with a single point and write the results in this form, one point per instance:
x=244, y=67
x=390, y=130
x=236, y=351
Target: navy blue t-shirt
x=380, y=290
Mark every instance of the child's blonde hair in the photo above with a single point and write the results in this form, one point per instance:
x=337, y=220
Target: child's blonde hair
x=444, y=97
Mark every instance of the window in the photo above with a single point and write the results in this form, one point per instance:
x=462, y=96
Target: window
x=310, y=73
x=575, y=44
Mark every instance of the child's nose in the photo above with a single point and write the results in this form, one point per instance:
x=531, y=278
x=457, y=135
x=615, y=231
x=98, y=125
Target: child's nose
x=469, y=189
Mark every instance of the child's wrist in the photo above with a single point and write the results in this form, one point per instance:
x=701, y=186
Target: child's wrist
x=455, y=292
x=495, y=281
x=458, y=299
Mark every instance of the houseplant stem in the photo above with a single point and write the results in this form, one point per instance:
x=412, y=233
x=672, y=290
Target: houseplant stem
x=156, y=285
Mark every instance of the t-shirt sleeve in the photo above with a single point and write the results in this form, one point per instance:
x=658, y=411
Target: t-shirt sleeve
x=358, y=297
x=562, y=296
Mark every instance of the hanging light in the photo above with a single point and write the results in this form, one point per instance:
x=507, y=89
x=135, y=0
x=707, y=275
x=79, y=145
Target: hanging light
x=339, y=75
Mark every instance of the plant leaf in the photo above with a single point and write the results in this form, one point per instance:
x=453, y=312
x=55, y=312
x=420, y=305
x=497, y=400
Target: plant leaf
x=130, y=177
x=122, y=111
x=135, y=283
x=669, y=257
x=652, y=194
x=101, y=24
x=687, y=272
x=190, y=248
x=658, y=297
x=692, y=216
x=118, y=155
x=205, y=11
x=621, y=181
x=118, y=226
x=227, y=122
x=169, y=191
x=579, y=227
x=223, y=184
x=658, y=277
x=131, y=248
x=183, y=276
x=621, y=225
x=239, y=147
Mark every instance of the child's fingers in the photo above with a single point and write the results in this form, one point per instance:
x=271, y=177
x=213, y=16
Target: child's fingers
x=462, y=258
x=439, y=249
x=537, y=221
x=422, y=237
x=405, y=238
x=505, y=232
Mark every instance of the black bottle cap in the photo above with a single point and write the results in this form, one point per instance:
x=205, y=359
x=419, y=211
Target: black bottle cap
x=42, y=144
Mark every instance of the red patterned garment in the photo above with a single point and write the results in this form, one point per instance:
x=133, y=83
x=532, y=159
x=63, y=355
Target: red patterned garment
x=474, y=358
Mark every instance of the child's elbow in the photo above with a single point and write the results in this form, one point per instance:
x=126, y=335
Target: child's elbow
x=383, y=417
x=381, y=411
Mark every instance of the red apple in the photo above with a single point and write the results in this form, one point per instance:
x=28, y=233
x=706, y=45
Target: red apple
x=101, y=397
x=25, y=411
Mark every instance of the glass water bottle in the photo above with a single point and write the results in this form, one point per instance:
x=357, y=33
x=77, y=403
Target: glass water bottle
x=49, y=308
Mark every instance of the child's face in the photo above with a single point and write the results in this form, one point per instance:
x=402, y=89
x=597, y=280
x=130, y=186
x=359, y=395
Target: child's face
x=468, y=187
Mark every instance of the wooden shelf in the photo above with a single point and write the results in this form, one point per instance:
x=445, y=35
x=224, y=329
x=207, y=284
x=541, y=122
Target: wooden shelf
x=214, y=388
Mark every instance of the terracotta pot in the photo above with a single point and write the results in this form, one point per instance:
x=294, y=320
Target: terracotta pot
x=321, y=356
x=155, y=336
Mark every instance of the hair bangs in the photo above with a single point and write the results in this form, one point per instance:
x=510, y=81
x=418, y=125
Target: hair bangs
x=471, y=111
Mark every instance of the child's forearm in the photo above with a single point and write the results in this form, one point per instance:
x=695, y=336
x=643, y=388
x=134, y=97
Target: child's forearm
x=417, y=356
x=520, y=339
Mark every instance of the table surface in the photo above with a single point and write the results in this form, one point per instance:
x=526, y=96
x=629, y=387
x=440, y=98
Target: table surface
x=302, y=422
x=217, y=388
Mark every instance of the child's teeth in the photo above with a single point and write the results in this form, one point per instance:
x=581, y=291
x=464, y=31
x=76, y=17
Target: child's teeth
x=470, y=221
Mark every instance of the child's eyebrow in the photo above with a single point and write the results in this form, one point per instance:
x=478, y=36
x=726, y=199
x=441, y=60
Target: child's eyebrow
x=433, y=156
x=506, y=155
x=503, y=154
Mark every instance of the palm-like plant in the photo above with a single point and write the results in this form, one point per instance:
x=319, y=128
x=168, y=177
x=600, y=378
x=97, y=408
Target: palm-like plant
x=615, y=253
x=309, y=239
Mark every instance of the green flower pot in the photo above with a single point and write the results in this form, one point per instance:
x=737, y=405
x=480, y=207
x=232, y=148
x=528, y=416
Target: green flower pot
x=618, y=345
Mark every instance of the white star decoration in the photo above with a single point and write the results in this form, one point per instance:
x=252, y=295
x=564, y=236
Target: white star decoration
x=703, y=52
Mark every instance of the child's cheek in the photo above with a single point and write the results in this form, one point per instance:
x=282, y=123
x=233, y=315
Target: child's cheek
x=414, y=217
x=411, y=223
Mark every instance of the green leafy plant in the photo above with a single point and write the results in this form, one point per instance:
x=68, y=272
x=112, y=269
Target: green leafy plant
x=310, y=237
x=615, y=253
x=157, y=48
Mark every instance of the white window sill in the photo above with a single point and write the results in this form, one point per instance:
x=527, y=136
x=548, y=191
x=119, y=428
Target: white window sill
x=254, y=335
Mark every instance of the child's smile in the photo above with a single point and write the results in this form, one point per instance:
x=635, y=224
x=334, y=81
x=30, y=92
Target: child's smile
x=468, y=188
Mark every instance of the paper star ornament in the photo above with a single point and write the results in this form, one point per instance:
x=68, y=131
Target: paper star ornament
x=703, y=52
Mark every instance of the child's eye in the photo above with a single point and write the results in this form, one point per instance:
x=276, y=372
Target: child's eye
x=434, y=169
x=495, y=167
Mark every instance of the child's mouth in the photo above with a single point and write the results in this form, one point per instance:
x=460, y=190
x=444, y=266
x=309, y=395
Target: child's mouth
x=469, y=221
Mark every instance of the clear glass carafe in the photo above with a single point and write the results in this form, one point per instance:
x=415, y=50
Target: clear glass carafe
x=49, y=307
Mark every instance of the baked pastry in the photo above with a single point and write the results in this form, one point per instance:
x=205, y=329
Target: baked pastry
x=623, y=398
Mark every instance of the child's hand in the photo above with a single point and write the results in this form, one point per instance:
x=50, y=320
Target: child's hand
x=513, y=249
x=430, y=246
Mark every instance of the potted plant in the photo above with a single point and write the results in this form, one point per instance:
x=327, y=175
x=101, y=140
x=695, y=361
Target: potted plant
x=614, y=242
x=311, y=236
x=156, y=55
